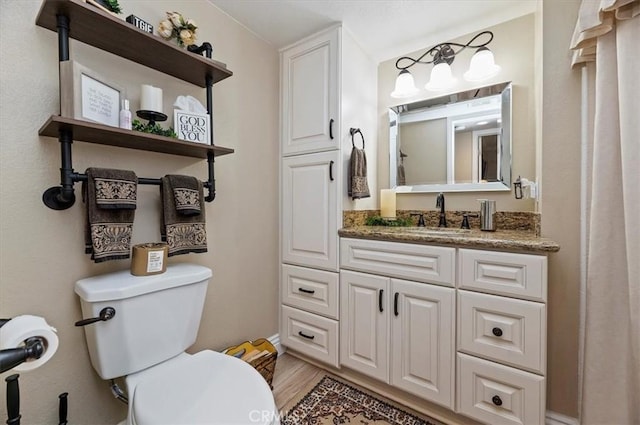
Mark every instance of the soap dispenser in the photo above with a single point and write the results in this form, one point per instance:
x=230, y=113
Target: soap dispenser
x=487, y=213
x=125, y=115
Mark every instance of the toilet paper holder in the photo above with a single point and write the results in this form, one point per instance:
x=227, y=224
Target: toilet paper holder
x=34, y=348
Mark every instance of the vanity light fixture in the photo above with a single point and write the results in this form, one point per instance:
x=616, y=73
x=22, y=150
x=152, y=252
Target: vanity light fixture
x=482, y=66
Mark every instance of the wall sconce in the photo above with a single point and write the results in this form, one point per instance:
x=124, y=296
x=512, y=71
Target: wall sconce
x=482, y=66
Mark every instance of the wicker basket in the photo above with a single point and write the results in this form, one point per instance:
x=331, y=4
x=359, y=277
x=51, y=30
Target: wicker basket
x=266, y=364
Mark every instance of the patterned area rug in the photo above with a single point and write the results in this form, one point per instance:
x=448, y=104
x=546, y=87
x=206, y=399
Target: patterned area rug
x=332, y=402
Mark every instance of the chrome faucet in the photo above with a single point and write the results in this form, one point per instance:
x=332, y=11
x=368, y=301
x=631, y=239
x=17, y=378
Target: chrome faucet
x=440, y=204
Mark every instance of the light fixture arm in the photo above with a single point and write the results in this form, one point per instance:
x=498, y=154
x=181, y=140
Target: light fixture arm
x=444, y=52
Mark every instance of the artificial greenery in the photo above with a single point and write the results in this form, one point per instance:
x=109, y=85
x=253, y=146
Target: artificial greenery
x=379, y=221
x=112, y=5
x=153, y=129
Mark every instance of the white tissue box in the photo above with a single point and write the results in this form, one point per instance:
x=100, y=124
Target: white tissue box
x=192, y=127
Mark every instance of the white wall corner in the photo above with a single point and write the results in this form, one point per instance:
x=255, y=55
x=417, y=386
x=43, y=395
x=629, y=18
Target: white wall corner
x=553, y=418
x=275, y=340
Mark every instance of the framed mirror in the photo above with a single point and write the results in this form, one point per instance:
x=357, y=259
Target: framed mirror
x=458, y=142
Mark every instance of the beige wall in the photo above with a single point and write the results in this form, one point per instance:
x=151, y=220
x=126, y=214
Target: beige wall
x=42, y=250
x=560, y=204
x=513, y=48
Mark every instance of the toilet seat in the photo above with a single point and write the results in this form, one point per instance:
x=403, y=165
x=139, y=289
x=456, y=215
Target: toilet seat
x=205, y=388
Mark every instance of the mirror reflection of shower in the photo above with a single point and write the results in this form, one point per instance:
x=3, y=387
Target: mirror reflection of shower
x=476, y=149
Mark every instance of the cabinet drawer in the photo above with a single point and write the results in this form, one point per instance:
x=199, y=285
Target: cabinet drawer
x=519, y=275
x=311, y=290
x=497, y=394
x=310, y=334
x=431, y=264
x=503, y=329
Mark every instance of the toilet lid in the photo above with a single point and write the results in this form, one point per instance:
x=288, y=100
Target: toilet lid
x=207, y=388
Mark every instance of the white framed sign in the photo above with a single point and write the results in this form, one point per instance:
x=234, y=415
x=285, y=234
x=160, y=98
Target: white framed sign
x=85, y=95
x=192, y=127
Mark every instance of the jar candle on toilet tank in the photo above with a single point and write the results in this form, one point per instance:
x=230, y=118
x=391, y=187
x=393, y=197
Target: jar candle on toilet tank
x=388, y=203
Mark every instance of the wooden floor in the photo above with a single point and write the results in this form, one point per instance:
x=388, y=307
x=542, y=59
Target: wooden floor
x=290, y=377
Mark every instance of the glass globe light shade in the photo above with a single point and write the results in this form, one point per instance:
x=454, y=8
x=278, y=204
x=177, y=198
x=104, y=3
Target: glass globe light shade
x=482, y=66
x=405, y=85
x=441, y=77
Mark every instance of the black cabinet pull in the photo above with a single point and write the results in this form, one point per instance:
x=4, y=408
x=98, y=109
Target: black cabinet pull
x=331, y=129
x=380, y=292
x=306, y=336
x=395, y=304
x=331, y=170
x=496, y=400
x=497, y=331
x=307, y=291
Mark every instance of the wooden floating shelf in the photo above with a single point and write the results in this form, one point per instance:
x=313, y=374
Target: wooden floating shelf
x=100, y=29
x=84, y=131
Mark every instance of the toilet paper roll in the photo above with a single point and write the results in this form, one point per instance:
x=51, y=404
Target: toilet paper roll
x=20, y=328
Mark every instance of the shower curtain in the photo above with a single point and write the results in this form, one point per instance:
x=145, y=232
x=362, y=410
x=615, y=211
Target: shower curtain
x=608, y=32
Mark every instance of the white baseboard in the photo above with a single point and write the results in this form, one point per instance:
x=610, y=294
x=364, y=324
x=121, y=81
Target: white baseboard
x=553, y=418
x=275, y=340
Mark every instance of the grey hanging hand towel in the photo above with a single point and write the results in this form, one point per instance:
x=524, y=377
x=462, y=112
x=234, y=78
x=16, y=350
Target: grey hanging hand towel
x=183, y=233
x=110, y=198
x=358, y=186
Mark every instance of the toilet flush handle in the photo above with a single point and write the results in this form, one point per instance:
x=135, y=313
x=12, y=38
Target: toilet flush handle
x=106, y=313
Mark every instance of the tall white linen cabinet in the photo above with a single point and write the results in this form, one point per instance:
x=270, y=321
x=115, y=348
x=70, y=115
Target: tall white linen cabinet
x=328, y=85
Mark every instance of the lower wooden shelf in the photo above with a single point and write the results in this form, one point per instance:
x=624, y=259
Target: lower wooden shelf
x=89, y=132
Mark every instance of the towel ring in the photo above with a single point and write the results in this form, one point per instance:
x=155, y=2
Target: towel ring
x=353, y=131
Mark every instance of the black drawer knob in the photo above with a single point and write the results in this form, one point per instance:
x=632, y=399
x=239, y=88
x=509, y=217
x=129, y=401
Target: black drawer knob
x=497, y=331
x=496, y=400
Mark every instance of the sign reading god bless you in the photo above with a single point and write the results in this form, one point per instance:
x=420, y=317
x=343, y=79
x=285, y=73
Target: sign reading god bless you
x=192, y=127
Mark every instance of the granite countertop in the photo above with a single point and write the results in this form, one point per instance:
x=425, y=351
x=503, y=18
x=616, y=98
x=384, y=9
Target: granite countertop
x=512, y=240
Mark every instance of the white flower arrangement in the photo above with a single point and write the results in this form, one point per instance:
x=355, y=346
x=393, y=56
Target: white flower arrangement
x=175, y=26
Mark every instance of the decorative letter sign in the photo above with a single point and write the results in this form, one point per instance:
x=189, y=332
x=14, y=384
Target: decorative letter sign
x=137, y=22
x=192, y=127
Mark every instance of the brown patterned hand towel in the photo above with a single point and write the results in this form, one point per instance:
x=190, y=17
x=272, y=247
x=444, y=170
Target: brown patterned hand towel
x=110, y=197
x=358, y=186
x=186, y=194
x=183, y=233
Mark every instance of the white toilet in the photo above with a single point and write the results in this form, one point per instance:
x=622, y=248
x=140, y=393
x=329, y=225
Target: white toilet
x=156, y=319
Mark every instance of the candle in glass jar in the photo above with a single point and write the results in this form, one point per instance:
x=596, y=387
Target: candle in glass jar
x=151, y=98
x=388, y=203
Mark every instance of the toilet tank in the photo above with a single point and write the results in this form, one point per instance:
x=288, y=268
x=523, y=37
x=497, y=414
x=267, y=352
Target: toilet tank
x=157, y=317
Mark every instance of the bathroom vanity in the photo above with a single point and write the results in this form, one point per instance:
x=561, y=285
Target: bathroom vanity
x=455, y=317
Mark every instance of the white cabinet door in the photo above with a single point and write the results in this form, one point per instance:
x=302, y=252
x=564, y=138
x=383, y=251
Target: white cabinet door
x=364, y=319
x=422, y=340
x=310, y=210
x=310, y=88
